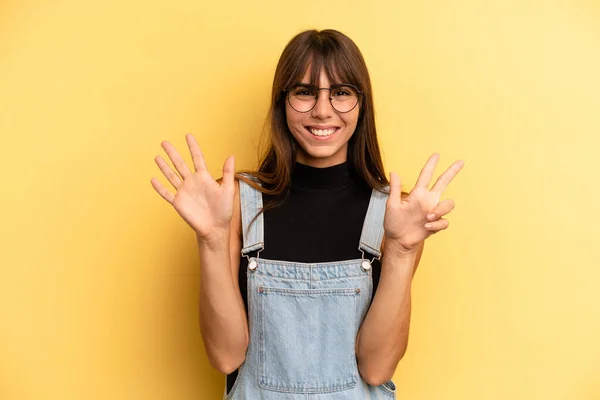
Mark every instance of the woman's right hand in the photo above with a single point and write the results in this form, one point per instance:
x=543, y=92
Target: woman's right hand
x=203, y=203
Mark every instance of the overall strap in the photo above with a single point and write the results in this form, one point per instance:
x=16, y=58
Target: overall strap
x=372, y=232
x=252, y=231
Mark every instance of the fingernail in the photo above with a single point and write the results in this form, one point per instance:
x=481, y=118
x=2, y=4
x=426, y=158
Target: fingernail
x=431, y=217
x=428, y=225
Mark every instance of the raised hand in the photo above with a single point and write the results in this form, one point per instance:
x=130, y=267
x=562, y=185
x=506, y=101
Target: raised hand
x=203, y=203
x=413, y=219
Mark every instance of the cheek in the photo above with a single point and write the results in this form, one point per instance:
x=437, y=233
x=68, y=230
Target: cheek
x=291, y=118
x=351, y=119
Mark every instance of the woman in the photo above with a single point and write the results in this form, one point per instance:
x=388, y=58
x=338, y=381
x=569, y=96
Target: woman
x=318, y=304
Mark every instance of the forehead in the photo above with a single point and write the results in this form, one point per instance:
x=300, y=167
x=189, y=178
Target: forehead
x=320, y=71
x=323, y=78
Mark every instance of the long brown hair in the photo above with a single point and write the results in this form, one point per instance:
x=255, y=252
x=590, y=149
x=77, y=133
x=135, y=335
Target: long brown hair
x=343, y=62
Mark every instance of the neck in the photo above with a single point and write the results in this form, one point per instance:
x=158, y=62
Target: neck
x=308, y=176
x=322, y=162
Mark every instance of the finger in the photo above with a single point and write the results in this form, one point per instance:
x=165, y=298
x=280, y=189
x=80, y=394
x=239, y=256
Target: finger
x=197, y=156
x=229, y=174
x=178, y=162
x=444, y=180
x=443, y=208
x=427, y=171
x=438, y=225
x=168, y=172
x=164, y=193
x=395, y=190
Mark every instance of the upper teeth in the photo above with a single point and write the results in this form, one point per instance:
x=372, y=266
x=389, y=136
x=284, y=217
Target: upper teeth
x=322, y=132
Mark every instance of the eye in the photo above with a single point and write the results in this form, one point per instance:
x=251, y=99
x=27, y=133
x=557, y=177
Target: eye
x=303, y=92
x=341, y=92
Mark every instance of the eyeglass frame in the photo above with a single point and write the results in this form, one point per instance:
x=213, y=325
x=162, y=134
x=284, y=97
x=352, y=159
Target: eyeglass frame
x=337, y=85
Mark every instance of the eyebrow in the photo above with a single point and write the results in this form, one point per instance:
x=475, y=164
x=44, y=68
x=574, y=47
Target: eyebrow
x=309, y=85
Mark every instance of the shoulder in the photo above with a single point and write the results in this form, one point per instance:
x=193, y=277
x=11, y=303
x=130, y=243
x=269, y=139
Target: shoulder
x=248, y=181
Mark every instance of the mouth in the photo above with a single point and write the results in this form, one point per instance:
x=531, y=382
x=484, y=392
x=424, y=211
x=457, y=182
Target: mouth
x=322, y=132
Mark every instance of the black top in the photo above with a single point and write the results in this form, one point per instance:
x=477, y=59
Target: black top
x=320, y=220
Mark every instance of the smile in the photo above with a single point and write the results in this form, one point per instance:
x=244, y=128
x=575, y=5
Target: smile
x=322, y=132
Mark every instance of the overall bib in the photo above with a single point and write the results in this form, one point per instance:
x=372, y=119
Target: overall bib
x=304, y=317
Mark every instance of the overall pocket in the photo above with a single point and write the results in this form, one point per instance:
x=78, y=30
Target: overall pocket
x=307, y=339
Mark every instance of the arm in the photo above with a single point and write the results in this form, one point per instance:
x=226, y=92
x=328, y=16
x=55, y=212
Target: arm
x=383, y=337
x=212, y=209
x=409, y=220
x=223, y=320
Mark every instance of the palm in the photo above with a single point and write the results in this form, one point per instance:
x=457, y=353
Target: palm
x=405, y=218
x=203, y=203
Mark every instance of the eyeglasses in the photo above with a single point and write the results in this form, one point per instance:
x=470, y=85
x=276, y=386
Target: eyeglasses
x=343, y=97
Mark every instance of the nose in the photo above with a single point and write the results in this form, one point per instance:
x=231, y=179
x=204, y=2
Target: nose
x=323, y=108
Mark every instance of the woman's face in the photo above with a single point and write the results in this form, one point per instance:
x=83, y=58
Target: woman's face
x=322, y=133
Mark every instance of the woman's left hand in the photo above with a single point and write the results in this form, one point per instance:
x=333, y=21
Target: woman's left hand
x=408, y=221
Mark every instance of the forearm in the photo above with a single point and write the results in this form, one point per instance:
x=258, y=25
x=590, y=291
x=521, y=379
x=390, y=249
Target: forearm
x=222, y=314
x=383, y=336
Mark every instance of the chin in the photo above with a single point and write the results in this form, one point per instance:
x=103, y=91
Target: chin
x=321, y=158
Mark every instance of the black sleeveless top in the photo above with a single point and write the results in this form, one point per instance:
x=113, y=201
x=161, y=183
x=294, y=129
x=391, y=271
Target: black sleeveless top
x=320, y=220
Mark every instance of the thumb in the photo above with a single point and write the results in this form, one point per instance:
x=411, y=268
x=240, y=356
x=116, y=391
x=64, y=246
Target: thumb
x=395, y=190
x=228, y=182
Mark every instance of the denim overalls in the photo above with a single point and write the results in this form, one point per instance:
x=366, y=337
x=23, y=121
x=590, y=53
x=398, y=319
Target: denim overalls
x=304, y=317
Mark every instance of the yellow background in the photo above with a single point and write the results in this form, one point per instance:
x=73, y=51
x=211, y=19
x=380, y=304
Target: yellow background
x=99, y=276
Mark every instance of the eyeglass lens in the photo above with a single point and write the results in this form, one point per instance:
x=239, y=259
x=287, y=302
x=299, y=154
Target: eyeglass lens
x=303, y=98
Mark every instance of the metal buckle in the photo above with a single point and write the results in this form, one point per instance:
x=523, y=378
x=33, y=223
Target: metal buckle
x=366, y=264
x=253, y=264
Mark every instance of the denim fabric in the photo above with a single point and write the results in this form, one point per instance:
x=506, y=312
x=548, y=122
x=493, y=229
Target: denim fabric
x=304, y=318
